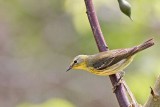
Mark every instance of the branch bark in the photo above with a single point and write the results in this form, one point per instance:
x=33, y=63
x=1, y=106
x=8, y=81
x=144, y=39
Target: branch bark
x=102, y=46
x=154, y=98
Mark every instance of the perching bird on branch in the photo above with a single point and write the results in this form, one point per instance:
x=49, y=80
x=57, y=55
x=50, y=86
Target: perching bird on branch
x=108, y=62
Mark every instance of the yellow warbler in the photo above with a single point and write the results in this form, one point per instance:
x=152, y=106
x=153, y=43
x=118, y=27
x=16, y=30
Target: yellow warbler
x=108, y=62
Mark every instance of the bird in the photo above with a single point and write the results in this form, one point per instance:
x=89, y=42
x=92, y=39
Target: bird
x=108, y=62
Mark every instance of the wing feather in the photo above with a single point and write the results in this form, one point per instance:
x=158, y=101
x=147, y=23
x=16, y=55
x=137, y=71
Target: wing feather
x=105, y=59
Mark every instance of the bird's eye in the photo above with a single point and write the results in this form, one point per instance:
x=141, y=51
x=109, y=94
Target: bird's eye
x=75, y=61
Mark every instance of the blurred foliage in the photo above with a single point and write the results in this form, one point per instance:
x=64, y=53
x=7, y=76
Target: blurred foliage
x=38, y=39
x=49, y=103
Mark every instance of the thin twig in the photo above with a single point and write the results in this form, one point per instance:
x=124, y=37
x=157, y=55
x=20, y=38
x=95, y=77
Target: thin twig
x=131, y=96
x=154, y=98
x=102, y=46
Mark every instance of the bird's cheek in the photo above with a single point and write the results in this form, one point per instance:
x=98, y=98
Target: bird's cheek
x=75, y=67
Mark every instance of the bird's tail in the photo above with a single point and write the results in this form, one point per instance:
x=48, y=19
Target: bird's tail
x=142, y=46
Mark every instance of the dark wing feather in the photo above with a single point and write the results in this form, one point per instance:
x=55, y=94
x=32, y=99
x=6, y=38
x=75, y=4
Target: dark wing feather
x=103, y=63
x=109, y=58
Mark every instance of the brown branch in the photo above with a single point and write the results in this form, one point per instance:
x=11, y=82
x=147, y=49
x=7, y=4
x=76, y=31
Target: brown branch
x=102, y=46
x=99, y=38
x=154, y=98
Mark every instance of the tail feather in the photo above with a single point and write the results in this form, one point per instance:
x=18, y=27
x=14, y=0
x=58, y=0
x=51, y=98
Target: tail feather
x=142, y=46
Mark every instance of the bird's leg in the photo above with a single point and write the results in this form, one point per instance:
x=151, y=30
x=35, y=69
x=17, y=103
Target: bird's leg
x=122, y=73
x=130, y=95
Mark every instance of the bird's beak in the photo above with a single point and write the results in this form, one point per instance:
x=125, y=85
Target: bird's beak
x=70, y=67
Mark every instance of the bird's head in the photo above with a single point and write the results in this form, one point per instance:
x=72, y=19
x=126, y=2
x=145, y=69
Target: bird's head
x=79, y=62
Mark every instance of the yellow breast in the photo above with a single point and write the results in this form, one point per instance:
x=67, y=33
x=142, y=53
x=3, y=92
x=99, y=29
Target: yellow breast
x=112, y=69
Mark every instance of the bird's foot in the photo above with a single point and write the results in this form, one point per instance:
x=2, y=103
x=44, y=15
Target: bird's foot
x=116, y=86
x=122, y=73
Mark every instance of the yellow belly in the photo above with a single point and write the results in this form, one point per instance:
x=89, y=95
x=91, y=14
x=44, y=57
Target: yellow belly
x=112, y=69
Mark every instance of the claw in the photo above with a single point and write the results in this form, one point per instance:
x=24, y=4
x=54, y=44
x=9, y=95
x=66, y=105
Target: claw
x=118, y=82
x=116, y=85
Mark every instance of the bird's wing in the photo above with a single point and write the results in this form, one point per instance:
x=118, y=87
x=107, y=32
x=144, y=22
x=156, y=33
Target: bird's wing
x=102, y=63
x=104, y=60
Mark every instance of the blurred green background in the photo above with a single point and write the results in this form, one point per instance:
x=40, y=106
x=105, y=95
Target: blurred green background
x=39, y=39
